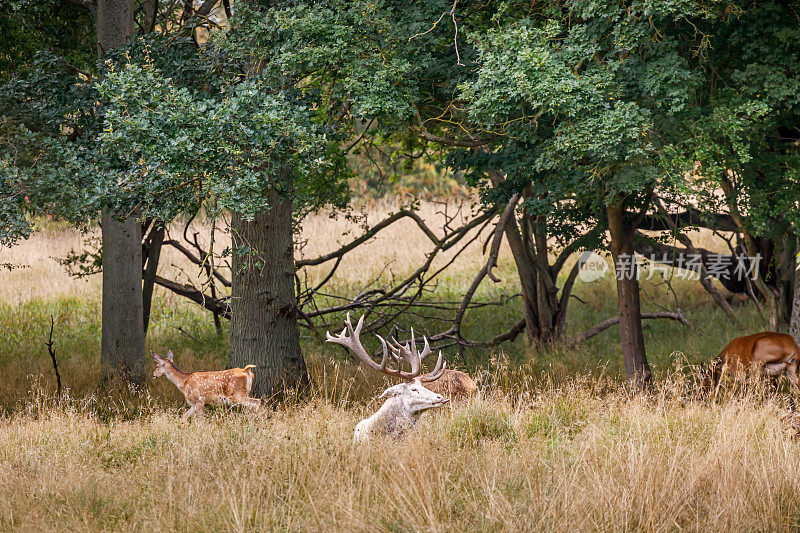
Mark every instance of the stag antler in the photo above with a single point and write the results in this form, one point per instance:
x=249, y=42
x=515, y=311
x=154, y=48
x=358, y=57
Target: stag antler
x=349, y=338
x=408, y=352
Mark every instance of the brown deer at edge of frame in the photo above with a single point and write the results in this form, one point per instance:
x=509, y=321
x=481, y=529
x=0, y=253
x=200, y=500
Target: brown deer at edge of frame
x=768, y=351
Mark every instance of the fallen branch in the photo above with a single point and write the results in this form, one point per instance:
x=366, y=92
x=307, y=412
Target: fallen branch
x=607, y=323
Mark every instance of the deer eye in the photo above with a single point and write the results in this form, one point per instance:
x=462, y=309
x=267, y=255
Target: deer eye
x=414, y=390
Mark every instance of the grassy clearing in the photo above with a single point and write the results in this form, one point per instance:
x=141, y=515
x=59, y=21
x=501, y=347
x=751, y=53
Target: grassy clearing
x=541, y=449
x=579, y=456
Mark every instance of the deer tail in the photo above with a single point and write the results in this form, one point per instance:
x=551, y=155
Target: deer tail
x=249, y=377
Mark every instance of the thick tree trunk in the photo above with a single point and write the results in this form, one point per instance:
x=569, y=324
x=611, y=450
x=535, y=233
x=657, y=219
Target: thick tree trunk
x=122, y=344
x=630, y=314
x=264, y=328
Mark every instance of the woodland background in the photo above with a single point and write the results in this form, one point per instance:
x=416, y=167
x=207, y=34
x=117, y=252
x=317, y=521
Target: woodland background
x=261, y=168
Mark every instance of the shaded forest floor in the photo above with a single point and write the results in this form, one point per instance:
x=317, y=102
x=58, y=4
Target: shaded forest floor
x=552, y=443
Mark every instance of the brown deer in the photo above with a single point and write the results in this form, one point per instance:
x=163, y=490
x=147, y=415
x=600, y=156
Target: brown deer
x=405, y=402
x=769, y=352
x=203, y=388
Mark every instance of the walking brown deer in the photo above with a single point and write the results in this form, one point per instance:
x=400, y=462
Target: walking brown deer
x=203, y=388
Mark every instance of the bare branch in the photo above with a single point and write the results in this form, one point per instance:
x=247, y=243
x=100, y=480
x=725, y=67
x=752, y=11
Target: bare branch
x=196, y=260
x=607, y=323
x=403, y=213
x=52, y=352
x=215, y=305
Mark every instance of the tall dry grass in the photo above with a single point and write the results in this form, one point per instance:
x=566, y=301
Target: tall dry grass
x=581, y=456
x=541, y=449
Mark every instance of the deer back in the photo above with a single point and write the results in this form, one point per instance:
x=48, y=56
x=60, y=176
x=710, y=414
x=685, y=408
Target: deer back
x=219, y=384
x=453, y=384
x=760, y=348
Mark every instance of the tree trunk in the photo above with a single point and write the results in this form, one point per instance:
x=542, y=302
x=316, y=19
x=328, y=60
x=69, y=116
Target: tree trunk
x=794, y=324
x=264, y=328
x=786, y=269
x=150, y=271
x=527, y=279
x=122, y=344
x=547, y=300
x=630, y=315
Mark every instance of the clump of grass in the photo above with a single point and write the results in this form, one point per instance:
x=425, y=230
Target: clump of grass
x=481, y=420
x=563, y=415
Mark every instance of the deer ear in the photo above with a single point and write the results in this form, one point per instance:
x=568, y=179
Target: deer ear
x=155, y=356
x=169, y=356
x=391, y=392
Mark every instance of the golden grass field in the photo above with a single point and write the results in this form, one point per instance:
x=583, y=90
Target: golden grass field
x=552, y=443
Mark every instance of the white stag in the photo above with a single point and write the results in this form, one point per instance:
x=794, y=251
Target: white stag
x=405, y=402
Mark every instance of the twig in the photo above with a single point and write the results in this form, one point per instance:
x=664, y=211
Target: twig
x=52, y=353
x=187, y=333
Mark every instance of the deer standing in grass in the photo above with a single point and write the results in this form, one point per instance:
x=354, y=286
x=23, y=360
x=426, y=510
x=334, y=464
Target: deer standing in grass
x=770, y=352
x=405, y=402
x=203, y=388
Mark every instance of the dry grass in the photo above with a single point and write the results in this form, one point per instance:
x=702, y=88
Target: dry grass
x=540, y=450
x=562, y=458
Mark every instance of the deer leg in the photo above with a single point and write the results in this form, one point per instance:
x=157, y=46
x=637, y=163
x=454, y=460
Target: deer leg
x=791, y=374
x=241, y=398
x=254, y=403
x=190, y=412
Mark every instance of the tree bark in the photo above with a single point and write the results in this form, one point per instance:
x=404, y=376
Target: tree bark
x=527, y=279
x=264, y=329
x=637, y=368
x=794, y=323
x=122, y=343
x=786, y=269
x=150, y=271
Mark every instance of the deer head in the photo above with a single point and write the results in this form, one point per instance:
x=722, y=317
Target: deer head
x=414, y=397
x=162, y=363
x=404, y=403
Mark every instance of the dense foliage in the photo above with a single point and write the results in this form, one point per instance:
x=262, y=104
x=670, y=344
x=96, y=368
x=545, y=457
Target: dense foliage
x=575, y=109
